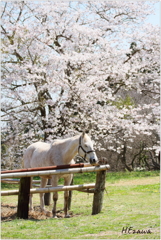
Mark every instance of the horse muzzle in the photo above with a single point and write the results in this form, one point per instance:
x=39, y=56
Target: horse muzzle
x=93, y=161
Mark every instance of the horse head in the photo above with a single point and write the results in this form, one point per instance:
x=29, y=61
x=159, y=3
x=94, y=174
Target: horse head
x=85, y=149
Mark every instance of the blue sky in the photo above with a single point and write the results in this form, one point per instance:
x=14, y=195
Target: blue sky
x=155, y=19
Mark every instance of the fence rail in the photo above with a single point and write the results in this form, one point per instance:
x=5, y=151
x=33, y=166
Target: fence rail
x=47, y=168
x=16, y=181
x=55, y=172
x=26, y=174
x=51, y=189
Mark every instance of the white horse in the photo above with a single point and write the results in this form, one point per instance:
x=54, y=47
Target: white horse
x=60, y=152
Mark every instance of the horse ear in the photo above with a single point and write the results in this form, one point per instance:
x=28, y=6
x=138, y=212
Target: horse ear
x=84, y=132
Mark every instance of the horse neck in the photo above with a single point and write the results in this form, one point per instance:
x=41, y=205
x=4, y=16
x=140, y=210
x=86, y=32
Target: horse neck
x=71, y=149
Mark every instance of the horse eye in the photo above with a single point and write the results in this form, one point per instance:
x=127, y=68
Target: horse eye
x=86, y=145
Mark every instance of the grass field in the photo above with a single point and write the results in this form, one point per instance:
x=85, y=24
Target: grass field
x=132, y=202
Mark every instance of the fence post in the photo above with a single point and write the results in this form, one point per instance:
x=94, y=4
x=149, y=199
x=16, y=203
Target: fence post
x=23, y=198
x=47, y=196
x=99, y=192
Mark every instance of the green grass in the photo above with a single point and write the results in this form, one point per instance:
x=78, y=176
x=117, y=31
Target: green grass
x=125, y=205
x=113, y=177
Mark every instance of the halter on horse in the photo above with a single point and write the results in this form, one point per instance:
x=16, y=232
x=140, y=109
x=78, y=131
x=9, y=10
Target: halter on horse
x=85, y=152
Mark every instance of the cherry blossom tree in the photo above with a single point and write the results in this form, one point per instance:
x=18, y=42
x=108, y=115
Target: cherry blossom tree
x=70, y=66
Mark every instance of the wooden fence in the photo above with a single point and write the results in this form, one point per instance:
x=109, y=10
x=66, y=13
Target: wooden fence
x=25, y=179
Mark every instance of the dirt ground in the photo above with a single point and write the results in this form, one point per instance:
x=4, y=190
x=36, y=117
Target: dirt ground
x=9, y=212
x=143, y=181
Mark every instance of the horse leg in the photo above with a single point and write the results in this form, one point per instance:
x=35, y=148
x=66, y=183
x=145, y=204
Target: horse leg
x=67, y=182
x=31, y=197
x=42, y=185
x=54, y=183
